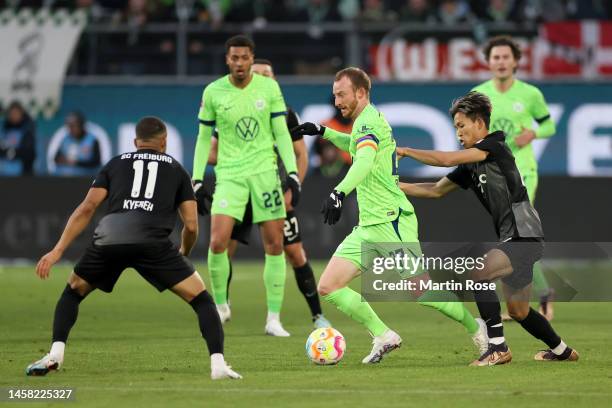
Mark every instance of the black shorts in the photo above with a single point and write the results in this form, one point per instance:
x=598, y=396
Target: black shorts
x=160, y=264
x=291, y=231
x=523, y=253
x=242, y=231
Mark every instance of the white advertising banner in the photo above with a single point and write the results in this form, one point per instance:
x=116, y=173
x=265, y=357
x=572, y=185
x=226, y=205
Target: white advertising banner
x=35, y=48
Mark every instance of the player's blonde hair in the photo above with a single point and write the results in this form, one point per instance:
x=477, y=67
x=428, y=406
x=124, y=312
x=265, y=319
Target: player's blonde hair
x=357, y=76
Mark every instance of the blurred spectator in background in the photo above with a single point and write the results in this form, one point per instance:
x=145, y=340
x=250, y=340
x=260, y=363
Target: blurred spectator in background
x=320, y=11
x=377, y=11
x=17, y=142
x=332, y=160
x=589, y=9
x=416, y=11
x=451, y=12
x=545, y=10
x=501, y=11
x=79, y=150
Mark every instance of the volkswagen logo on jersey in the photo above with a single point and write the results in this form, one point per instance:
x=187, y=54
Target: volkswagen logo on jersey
x=504, y=125
x=247, y=128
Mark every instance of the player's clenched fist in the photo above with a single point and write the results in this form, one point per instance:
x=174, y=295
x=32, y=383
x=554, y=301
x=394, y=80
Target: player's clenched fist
x=332, y=208
x=307, y=128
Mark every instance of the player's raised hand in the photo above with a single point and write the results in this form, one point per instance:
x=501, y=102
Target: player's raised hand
x=307, y=128
x=293, y=182
x=332, y=207
x=46, y=262
x=202, y=197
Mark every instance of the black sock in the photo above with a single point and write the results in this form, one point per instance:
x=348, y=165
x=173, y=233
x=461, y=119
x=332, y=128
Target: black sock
x=308, y=286
x=229, y=279
x=490, y=311
x=66, y=312
x=537, y=325
x=210, y=324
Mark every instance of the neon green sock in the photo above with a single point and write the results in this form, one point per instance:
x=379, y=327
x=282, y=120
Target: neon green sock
x=454, y=309
x=274, y=281
x=218, y=267
x=540, y=284
x=349, y=302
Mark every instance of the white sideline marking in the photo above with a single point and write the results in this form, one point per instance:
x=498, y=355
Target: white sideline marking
x=352, y=391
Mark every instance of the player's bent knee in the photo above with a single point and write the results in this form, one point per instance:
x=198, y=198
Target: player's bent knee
x=217, y=245
x=295, y=255
x=190, y=287
x=79, y=285
x=518, y=312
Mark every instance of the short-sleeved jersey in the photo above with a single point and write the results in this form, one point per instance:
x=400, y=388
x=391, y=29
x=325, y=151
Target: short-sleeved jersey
x=145, y=189
x=513, y=110
x=378, y=196
x=243, y=119
x=499, y=187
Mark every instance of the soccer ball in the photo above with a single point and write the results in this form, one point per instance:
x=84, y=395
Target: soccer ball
x=325, y=346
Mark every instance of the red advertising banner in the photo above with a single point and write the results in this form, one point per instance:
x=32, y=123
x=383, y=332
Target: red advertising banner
x=573, y=50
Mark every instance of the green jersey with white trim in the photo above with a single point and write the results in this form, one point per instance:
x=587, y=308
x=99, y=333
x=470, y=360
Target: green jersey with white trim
x=243, y=119
x=378, y=196
x=514, y=110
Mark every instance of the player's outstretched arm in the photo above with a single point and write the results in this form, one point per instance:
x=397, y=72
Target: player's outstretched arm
x=428, y=190
x=361, y=167
x=301, y=158
x=202, y=150
x=443, y=159
x=78, y=221
x=341, y=140
x=188, y=211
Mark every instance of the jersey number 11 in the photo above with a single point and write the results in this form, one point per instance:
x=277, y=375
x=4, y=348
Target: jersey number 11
x=138, y=166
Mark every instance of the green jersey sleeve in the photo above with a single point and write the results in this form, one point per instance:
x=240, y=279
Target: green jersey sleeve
x=207, y=114
x=539, y=111
x=277, y=102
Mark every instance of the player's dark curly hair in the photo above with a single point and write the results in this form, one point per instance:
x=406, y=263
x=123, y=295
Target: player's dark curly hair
x=502, y=40
x=149, y=128
x=240, y=41
x=474, y=105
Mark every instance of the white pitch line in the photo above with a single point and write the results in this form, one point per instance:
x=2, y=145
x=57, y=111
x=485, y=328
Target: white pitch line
x=348, y=391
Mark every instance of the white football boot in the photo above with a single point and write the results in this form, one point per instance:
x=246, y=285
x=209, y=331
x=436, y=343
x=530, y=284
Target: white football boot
x=225, y=313
x=219, y=369
x=480, y=338
x=275, y=328
x=382, y=345
x=43, y=366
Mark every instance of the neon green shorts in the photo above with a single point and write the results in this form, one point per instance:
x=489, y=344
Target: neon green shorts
x=263, y=189
x=367, y=242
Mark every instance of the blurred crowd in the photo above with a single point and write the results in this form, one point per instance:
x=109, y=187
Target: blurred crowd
x=77, y=151
x=260, y=12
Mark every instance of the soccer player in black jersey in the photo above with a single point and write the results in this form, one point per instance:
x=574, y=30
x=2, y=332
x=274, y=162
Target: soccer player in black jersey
x=294, y=250
x=487, y=166
x=145, y=190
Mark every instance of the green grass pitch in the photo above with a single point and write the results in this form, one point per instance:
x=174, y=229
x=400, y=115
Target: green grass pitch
x=136, y=347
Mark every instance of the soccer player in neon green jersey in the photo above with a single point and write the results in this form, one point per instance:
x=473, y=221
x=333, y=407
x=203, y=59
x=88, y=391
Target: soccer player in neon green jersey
x=248, y=112
x=516, y=104
x=385, y=214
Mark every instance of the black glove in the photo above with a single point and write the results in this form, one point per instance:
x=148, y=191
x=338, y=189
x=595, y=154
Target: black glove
x=202, y=196
x=332, y=208
x=307, y=128
x=293, y=182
